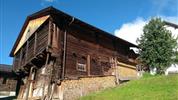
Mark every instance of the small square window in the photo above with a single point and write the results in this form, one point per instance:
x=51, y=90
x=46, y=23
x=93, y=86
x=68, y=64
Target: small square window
x=81, y=67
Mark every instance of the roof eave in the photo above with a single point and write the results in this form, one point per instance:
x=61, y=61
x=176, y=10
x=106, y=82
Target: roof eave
x=51, y=10
x=40, y=13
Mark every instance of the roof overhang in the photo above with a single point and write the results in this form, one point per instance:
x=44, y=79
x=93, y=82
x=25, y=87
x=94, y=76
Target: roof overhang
x=171, y=24
x=53, y=11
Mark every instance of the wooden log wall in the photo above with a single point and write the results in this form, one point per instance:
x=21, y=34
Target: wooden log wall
x=35, y=45
x=42, y=38
x=16, y=61
x=31, y=48
x=93, y=50
x=87, y=55
x=78, y=51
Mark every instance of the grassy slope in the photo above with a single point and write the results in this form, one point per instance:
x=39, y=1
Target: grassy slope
x=149, y=88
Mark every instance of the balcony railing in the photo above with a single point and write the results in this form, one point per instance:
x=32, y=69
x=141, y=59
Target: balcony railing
x=35, y=45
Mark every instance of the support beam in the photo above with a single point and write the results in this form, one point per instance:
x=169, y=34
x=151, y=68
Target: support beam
x=19, y=64
x=32, y=77
x=46, y=64
x=116, y=70
x=28, y=84
x=26, y=53
x=49, y=35
x=64, y=54
x=34, y=52
x=88, y=65
x=50, y=70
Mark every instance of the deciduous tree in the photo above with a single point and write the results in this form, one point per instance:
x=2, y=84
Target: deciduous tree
x=157, y=45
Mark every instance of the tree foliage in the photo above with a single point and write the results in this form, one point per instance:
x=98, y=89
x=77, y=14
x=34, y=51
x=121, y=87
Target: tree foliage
x=157, y=45
x=176, y=58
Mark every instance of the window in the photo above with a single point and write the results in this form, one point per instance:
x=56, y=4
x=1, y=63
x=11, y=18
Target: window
x=81, y=63
x=81, y=67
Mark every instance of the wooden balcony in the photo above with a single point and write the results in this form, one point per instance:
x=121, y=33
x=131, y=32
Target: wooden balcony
x=32, y=48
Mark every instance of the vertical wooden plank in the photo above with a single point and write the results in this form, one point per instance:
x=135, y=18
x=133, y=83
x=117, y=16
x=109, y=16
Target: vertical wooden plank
x=88, y=65
x=59, y=37
x=64, y=54
x=34, y=52
x=116, y=70
x=55, y=40
x=26, y=55
x=49, y=35
x=31, y=79
x=28, y=84
x=21, y=92
x=45, y=67
x=19, y=64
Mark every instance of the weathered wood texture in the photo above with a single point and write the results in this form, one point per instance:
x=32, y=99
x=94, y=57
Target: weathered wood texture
x=100, y=49
x=95, y=53
x=66, y=48
x=35, y=45
x=126, y=71
x=80, y=44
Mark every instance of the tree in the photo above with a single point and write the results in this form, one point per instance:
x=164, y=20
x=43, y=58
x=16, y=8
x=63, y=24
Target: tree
x=157, y=45
x=176, y=58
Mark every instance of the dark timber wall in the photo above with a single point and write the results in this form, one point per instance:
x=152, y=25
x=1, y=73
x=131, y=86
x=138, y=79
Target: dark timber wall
x=78, y=50
x=35, y=45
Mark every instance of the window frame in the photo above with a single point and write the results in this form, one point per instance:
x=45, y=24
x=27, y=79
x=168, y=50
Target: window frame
x=81, y=67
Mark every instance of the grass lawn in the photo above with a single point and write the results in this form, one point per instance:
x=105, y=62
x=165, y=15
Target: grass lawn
x=147, y=88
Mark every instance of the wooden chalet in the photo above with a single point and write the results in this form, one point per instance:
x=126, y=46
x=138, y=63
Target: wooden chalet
x=53, y=47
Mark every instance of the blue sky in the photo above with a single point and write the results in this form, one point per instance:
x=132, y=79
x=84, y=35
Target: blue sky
x=112, y=16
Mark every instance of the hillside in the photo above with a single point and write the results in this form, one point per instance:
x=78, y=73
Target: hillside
x=148, y=88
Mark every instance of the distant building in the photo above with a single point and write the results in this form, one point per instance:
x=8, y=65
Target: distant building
x=173, y=69
x=171, y=24
x=8, y=81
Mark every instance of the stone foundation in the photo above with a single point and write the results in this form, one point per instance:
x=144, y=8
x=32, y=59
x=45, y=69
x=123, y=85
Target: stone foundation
x=73, y=89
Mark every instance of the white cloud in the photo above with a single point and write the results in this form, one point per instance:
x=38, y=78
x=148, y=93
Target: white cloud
x=132, y=30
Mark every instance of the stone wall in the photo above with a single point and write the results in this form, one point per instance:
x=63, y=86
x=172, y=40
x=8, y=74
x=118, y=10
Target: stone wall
x=73, y=89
